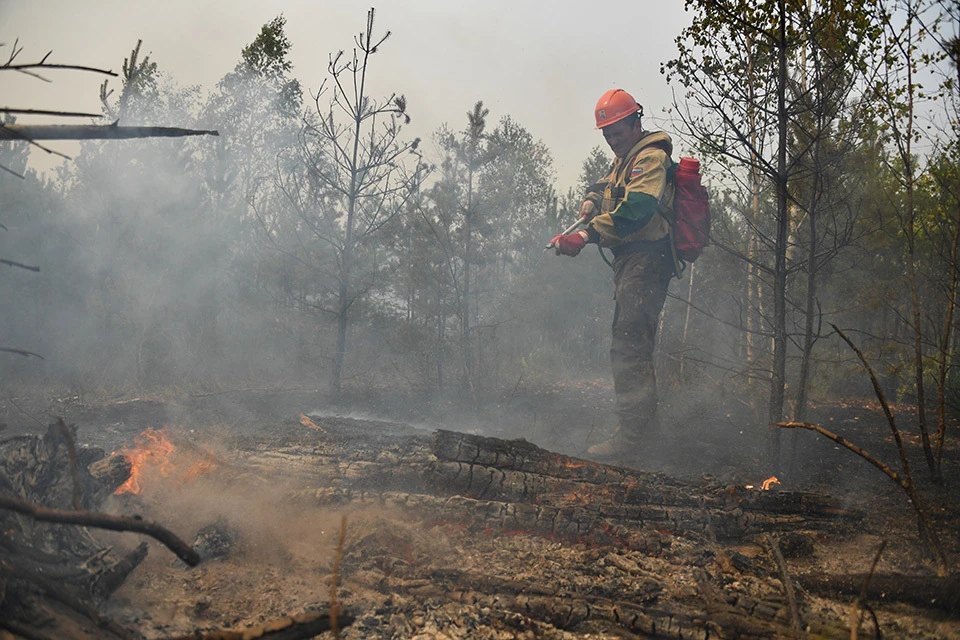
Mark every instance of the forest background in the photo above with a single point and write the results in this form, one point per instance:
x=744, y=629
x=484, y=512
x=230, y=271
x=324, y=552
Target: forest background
x=313, y=244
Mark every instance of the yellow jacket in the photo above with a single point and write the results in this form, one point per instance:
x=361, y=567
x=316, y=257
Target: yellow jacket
x=636, y=198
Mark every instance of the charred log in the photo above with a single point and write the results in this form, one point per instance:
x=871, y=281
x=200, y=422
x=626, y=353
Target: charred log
x=54, y=576
x=513, y=485
x=930, y=592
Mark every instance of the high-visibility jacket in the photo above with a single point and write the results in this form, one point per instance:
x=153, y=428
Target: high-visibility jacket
x=636, y=198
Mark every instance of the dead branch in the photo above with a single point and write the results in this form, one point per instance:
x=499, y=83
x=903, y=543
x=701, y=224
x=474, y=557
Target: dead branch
x=103, y=521
x=47, y=112
x=21, y=352
x=44, y=65
x=883, y=403
x=11, y=263
x=72, y=452
x=904, y=482
x=861, y=600
x=60, y=593
x=335, y=579
x=93, y=132
x=893, y=475
x=925, y=525
x=298, y=627
x=12, y=172
x=795, y=623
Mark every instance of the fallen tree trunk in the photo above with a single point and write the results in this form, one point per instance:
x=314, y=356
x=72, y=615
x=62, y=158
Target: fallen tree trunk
x=513, y=485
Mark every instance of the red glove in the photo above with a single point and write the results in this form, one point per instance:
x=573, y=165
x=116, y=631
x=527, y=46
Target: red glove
x=570, y=245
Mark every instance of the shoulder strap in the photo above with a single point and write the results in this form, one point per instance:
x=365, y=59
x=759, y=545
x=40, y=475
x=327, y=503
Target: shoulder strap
x=678, y=264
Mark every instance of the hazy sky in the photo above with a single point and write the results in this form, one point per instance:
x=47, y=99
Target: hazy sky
x=544, y=64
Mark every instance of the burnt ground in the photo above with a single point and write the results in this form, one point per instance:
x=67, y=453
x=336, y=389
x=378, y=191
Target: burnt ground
x=281, y=556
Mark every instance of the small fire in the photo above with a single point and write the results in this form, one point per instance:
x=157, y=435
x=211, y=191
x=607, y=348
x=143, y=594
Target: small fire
x=310, y=424
x=765, y=486
x=153, y=449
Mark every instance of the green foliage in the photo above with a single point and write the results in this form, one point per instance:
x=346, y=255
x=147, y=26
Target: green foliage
x=267, y=54
x=204, y=262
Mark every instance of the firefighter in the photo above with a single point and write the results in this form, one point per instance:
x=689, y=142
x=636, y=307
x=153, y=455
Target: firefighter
x=627, y=212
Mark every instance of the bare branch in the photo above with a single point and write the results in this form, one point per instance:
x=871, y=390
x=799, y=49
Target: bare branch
x=103, y=521
x=46, y=112
x=42, y=65
x=11, y=263
x=11, y=171
x=21, y=352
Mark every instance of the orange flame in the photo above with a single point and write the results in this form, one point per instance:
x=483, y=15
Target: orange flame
x=310, y=424
x=152, y=449
x=772, y=480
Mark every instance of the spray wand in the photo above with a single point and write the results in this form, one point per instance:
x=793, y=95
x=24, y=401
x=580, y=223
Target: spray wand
x=567, y=231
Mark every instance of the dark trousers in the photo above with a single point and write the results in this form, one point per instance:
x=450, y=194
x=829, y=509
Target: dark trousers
x=640, y=280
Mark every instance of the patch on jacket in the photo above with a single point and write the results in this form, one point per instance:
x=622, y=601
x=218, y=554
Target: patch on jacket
x=637, y=171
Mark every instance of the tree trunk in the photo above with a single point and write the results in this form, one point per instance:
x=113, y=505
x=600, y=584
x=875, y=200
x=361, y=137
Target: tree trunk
x=908, y=168
x=778, y=372
x=810, y=311
x=945, y=351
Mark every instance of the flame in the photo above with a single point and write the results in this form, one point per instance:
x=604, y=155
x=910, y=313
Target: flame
x=152, y=449
x=765, y=486
x=310, y=424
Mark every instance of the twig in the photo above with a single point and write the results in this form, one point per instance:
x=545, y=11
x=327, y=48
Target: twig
x=13, y=132
x=795, y=623
x=42, y=65
x=335, y=579
x=883, y=403
x=11, y=263
x=21, y=352
x=47, y=112
x=25, y=412
x=893, y=475
x=862, y=598
x=72, y=452
x=104, y=521
x=12, y=172
x=926, y=526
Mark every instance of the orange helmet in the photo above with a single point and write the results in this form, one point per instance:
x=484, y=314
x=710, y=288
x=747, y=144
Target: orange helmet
x=615, y=105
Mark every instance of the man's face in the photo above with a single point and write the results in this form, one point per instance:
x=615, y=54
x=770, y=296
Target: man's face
x=622, y=135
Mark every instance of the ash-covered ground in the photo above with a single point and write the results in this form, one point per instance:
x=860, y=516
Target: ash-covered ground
x=270, y=553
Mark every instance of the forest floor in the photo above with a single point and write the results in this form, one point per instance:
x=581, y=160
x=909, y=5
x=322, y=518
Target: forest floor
x=286, y=566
